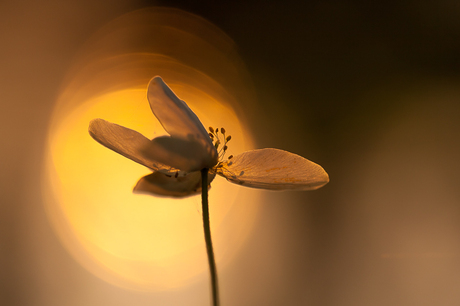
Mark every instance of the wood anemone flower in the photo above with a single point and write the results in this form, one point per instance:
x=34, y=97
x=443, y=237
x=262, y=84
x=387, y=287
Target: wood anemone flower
x=176, y=160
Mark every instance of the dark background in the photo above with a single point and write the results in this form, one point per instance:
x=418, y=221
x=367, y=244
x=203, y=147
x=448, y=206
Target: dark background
x=369, y=90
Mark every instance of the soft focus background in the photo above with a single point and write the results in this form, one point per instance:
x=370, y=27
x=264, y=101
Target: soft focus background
x=370, y=91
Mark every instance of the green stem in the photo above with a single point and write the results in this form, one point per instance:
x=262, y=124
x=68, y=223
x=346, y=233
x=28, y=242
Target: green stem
x=207, y=236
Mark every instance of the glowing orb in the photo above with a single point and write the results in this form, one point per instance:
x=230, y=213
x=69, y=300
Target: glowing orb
x=139, y=241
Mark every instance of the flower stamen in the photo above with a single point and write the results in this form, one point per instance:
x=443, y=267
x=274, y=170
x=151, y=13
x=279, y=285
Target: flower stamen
x=215, y=138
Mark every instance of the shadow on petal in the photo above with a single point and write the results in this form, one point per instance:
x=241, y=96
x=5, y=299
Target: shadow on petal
x=187, y=155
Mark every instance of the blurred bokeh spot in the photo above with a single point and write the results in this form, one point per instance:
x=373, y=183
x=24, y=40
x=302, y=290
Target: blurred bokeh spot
x=139, y=241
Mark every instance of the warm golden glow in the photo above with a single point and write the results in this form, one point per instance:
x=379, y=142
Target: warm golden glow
x=138, y=241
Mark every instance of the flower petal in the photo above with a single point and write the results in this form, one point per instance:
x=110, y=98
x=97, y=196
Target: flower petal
x=179, y=153
x=124, y=141
x=273, y=169
x=177, y=118
x=168, y=185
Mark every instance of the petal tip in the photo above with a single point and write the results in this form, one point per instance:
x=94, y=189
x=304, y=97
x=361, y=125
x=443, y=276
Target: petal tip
x=94, y=127
x=323, y=180
x=93, y=123
x=156, y=81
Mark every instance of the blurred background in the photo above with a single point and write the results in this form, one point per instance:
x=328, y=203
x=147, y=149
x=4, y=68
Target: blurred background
x=370, y=91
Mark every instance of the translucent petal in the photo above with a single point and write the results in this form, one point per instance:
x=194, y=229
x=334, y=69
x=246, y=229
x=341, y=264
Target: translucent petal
x=168, y=185
x=273, y=169
x=124, y=141
x=177, y=118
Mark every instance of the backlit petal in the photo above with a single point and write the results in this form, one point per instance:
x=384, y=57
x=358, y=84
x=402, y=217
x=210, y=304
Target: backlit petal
x=177, y=118
x=168, y=185
x=273, y=169
x=179, y=153
x=124, y=141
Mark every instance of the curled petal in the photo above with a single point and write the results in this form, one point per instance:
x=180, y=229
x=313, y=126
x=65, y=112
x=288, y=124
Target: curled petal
x=273, y=169
x=177, y=118
x=124, y=141
x=168, y=185
x=179, y=153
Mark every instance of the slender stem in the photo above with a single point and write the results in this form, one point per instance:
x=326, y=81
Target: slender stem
x=207, y=236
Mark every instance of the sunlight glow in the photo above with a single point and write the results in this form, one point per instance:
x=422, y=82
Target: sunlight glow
x=138, y=241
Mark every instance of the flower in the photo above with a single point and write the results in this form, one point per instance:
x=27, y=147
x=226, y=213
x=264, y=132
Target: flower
x=176, y=160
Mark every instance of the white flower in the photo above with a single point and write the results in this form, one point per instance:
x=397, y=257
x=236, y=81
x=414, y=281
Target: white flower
x=176, y=160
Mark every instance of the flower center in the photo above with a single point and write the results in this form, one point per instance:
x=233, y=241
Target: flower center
x=220, y=141
x=216, y=136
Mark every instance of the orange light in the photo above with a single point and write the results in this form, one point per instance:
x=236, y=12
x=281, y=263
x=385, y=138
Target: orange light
x=138, y=241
